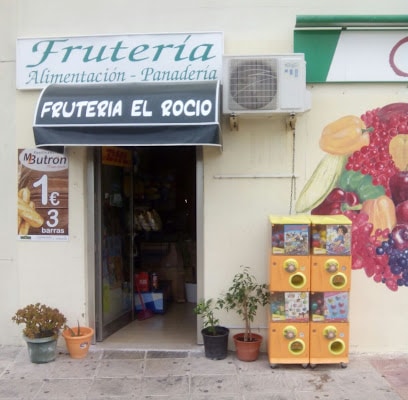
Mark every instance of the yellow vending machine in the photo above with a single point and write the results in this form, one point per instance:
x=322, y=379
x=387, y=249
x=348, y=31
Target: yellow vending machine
x=289, y=284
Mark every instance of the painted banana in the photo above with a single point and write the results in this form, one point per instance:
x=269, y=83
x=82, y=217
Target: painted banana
x=321, y=183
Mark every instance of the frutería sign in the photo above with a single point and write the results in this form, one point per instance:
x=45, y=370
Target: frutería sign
x=119, y=59
x=131, y=104
x=130, y=114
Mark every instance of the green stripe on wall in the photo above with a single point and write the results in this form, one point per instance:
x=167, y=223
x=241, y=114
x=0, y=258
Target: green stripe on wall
x=318, y=47
x=315, y=21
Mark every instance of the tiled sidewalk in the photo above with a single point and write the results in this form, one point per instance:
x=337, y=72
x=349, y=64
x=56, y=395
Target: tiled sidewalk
x=181, y=375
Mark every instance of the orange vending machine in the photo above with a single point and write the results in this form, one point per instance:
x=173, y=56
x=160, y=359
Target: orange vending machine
x=289, y=259
x=310, y=274
x=330, y=253
x=330, y=287
x=329, y=343
x=329, y=328
x=289, y=283
x=289, y=328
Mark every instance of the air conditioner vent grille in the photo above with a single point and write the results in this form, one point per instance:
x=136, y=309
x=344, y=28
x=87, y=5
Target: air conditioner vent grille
x=264, y=84
x=253, y=84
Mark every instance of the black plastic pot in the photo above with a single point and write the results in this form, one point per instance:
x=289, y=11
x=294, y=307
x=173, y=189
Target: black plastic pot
x=216, y=346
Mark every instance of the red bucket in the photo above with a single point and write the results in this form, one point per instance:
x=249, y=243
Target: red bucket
x=142, y=281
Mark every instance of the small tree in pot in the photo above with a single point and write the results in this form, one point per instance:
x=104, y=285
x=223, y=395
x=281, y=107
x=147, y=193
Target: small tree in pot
x=215, y=337
x=244, y=296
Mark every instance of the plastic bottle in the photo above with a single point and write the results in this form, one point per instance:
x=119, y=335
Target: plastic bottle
x=155, y=281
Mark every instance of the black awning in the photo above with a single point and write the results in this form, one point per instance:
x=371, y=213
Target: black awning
x=129, y=114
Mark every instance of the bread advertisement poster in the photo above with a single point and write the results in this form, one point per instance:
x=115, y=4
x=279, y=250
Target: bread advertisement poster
x=42, y=195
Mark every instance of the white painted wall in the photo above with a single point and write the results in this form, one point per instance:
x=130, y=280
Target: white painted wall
x=236, y=210
x=9, y=274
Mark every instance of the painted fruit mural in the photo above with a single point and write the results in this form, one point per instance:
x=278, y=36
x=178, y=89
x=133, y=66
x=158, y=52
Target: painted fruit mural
x=364, y=175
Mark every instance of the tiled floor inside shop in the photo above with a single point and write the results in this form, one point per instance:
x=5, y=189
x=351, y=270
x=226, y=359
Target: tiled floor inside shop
x=175, y=329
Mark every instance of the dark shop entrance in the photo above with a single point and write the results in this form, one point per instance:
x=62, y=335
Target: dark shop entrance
x=146, y=244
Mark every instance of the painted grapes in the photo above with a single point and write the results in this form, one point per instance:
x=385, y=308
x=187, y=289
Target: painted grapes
x=372, y=190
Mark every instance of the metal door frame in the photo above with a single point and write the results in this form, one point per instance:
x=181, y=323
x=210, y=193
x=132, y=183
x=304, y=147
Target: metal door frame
x=102, y=331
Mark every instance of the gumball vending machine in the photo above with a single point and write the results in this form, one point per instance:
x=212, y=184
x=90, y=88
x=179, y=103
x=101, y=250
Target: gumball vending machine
x=329, y=343
x=330, y=286
x=329, y=328
x=289, y=328
x=289, y=262
x=331, y=253
x=289, y=283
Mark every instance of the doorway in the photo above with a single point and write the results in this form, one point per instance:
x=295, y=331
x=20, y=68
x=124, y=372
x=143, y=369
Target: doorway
x=146, y=245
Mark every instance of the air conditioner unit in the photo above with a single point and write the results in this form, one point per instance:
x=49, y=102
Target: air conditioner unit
x=270, y=84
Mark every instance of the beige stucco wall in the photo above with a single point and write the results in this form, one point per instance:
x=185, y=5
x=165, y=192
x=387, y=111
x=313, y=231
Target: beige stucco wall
x=235, y=210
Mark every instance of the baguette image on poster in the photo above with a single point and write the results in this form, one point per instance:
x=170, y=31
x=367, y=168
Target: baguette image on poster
x=42, y=195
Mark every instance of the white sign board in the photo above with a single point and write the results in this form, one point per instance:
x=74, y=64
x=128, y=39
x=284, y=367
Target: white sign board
x=353, y=55
x=385, y=58
x=119, y=59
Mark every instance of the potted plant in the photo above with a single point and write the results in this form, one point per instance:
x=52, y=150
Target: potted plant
x=42, y=326
x=215, y=337
x=244, y=296
x=78, y=340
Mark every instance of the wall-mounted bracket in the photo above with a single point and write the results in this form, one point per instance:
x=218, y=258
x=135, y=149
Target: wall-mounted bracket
x=233, y=121
x=291, y=122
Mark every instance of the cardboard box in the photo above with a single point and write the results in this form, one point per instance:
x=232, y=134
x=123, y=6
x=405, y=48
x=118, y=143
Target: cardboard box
x=153, y=301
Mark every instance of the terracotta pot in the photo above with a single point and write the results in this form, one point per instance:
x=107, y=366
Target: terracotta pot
x=247, y=351
x=78, y=346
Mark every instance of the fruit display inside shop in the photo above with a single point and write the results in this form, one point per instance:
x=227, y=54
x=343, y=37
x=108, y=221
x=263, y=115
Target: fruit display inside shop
x=364, y=175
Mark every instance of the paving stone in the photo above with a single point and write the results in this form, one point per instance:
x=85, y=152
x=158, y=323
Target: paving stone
x=9, y=352
x=115, y=374
x=124, y=354
x=205, y=366
x=120, y=368
x=167, y=366
x=28, y=370
x=64, y=389
x=166, y=354
x=22, y=389
x=166, y=385
x=119, y=387
x=83, y=368
x=214, y=384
